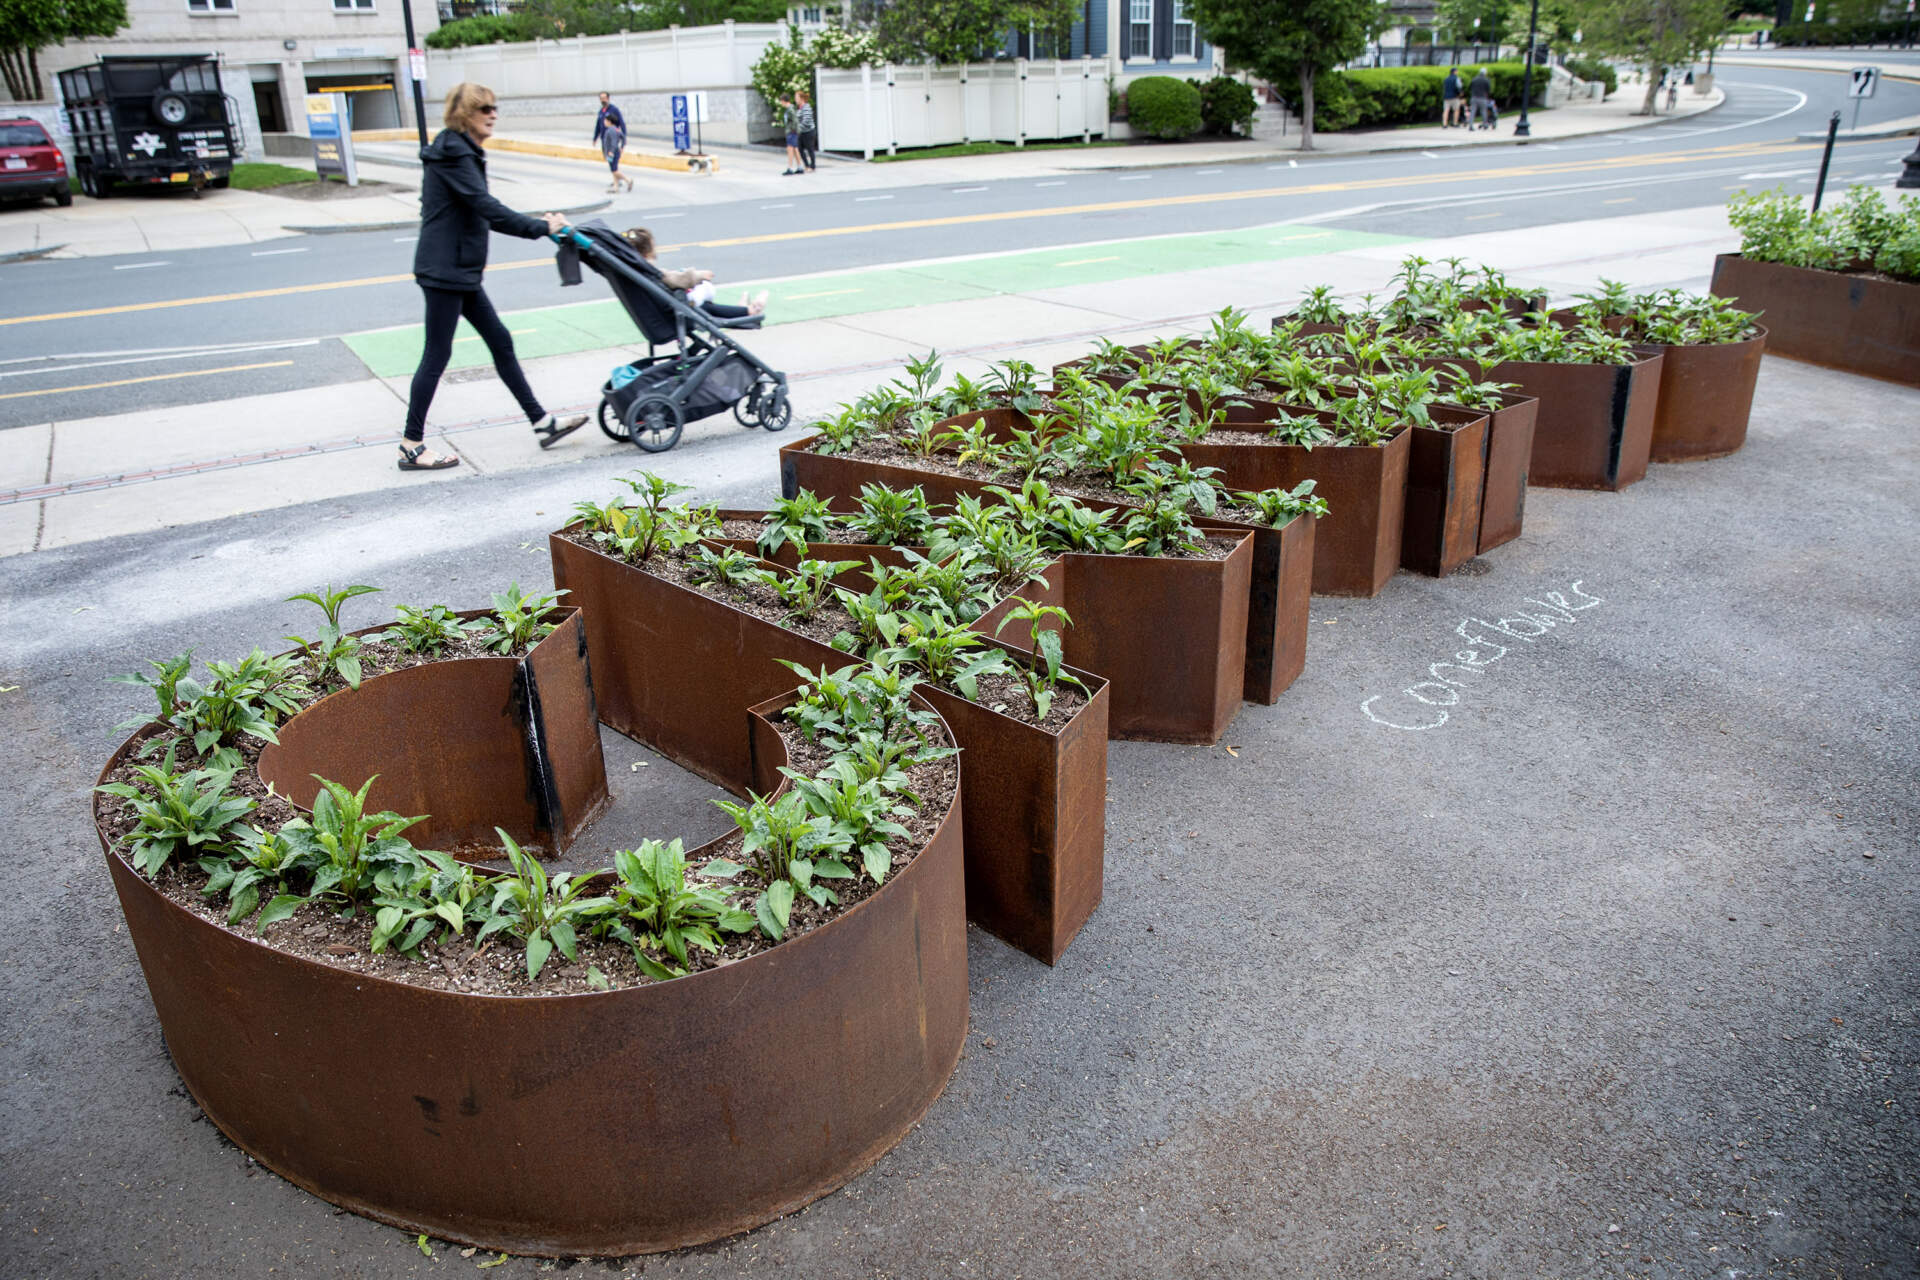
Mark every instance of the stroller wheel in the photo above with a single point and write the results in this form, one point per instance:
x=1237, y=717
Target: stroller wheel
x=611, y=424
x=776, y=411
x=746, y=410
x=654, y=422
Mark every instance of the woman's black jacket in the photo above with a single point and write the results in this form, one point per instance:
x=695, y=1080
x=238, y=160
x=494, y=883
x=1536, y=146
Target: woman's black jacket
x=455, y=213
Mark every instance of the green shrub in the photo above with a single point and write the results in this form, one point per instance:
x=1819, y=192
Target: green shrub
x=1163, y=107
x=1594, y=69
x=484, y=28
x=1860, y=230
x=1226, y=106
x=1835, y=33
x=1385, y=96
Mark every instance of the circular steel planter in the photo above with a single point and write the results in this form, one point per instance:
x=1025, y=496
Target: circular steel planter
x=1706, y=397
x=612, y=1122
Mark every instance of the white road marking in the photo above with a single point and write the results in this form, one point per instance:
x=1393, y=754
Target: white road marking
x=274, y=253
x=681, y=214
x=787, y=205
x=1429, y=155
x=1773, y=173
x=1201, y=173
x=50, y=364
x=1060, y=183
x=864, y=199
x=961, y=191
x=138, y=266
x=405, y=239
x=1133, y=177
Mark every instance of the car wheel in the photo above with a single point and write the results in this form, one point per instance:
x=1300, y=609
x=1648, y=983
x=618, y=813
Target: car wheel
x=63, y=196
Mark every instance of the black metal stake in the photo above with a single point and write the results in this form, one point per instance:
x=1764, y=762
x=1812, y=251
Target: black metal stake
x=1910, y=170
x=1523, y=129
x=1826, y=158
x=419, y=98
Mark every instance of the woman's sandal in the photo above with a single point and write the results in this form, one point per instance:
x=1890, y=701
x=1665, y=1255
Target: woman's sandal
x=410, y=459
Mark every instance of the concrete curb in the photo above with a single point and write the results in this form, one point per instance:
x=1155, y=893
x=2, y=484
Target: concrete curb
x=29, y=255
x=1891, y=129
x=346, y=228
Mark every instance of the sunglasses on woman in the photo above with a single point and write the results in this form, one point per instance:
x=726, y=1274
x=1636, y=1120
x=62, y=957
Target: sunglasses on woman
x=489, y=109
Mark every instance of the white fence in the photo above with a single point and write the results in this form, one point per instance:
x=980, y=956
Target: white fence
x=675, y=59
x=885, y=108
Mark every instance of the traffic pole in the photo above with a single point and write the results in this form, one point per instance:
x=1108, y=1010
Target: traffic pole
x=1826, y=158
x=416, y=61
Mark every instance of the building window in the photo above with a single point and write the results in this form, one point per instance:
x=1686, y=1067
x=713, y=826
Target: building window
x=209, y=6
x=1182, y=30
x=353, y=6
x=1139, y=28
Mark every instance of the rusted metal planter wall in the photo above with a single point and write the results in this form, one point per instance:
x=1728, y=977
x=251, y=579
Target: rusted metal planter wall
x=1595, y=423
x=1446, y=481
x=1503, y=503
x=1357, y=546
x=1848, y=322
x=673, y=666
x=1706, y=397
x=474, y=743
x=537, y=1124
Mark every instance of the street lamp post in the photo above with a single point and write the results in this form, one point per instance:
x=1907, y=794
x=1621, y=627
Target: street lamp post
x=1522, y=129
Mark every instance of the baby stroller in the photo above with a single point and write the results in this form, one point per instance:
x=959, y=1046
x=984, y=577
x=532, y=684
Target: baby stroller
x=650, y=401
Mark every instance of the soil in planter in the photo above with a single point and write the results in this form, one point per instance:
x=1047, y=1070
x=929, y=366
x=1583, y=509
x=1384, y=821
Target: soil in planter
x=499, y=967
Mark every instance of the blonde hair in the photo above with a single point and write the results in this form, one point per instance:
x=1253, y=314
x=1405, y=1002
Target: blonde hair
x=464, y=103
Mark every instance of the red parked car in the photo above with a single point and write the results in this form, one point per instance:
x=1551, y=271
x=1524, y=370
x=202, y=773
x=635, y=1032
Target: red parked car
x=30, y=165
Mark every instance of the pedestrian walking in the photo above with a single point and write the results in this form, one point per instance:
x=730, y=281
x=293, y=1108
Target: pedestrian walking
x=448, y=262
x=790, y=125
x=1450, y=99
x=610, y=132
x=809, y=129
x=1480, y=91
x=1673, y=92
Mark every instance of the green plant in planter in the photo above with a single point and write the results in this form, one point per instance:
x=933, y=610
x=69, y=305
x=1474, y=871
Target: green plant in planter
x=795, y=522
x=923, y=377
x=178, y=813
x=948, y=652
x=543, y=913
x=1301, y=429
x=922, y=436
x=729, y=568
x=637, y=531
x=1046, y=671
x=430, y=892
x=963, y=396
x=848, y=429
x=333, y=652
x=1320, y=306
x=342, y=848
x=973, y=444
x=656, y=909
x=1015, y=384
x=1464, y=388
x=429, y=629
x=1025, y=453
x=1280, y=507
x=165, y=687
x=257, y=858
x=891, y=517
x=808, y=586
x=239, y=698
x=1160, y=525
x=861, y=813
x=1107, y=359
x=789, y=848
x=957, y=587
x=1301, y=377
x=520, y=620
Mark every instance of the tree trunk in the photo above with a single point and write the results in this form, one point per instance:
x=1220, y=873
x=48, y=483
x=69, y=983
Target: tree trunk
x=1654, y=76
x=33, y=71
x=1306, y=107
x=16, y=82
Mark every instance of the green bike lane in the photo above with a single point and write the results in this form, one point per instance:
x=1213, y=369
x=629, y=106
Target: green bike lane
x=600, y=323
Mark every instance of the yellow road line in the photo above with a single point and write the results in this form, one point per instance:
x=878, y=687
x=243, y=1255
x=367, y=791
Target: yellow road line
x=1478, y=217
x=1744, y=149
x=156, y=377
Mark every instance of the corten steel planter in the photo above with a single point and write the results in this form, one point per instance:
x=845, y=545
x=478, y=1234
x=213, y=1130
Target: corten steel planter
x=1503, y=502
x=1168, y=634
x=522, y=751
x=1706, y=398
x=1357, y=546
x=1594, y=428
x=1446, y=480
x=673, y=665
x=1844, y=321
x=537, y=1124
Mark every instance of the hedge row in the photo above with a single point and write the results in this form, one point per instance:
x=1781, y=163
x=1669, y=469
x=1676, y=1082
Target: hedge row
x=1823, y=33
x=1380, y=96
x=1594, y=69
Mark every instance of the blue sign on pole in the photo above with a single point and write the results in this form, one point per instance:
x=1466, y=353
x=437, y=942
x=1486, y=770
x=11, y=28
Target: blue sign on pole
x=682, y=133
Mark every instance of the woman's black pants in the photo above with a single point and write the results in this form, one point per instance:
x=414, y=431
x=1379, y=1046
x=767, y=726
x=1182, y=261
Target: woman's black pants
x=444, y=309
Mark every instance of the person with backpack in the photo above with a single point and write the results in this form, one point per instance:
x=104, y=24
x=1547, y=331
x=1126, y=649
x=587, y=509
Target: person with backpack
x=456, y=214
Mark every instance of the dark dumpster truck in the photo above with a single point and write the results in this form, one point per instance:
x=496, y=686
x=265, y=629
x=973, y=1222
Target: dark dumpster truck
x=150, y=120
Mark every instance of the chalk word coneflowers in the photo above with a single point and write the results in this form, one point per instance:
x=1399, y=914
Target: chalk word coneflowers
x=1423, y=705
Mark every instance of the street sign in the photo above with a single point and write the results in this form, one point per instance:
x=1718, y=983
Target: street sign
x=331, y=128
x=417, y=65
x=689, y=109
x=1865, y=81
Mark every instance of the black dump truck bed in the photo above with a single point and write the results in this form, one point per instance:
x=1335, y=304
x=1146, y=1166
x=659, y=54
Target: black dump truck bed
x=152, y=119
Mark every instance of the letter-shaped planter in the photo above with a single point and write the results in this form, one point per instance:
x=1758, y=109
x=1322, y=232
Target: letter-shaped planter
x=1446, y=484
x=1503, y=503
x=1594, y=429
x=1277, y=599
x=614, y=1122
x=671, y=665
x=1357, y=545
x=1844, y=321
x=1706, y=398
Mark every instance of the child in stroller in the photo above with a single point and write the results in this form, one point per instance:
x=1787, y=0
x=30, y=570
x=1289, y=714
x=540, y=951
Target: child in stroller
x=696, y=283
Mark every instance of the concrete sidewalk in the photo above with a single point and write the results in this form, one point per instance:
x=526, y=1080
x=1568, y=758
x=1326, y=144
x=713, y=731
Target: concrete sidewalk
x=69, y=482
x=550, y=176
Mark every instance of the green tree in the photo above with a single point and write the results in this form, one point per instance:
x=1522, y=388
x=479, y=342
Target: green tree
x=28, y=26
x=957, y=30
x=1476, y=21
x=1656, y=35
x=1282, y=39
